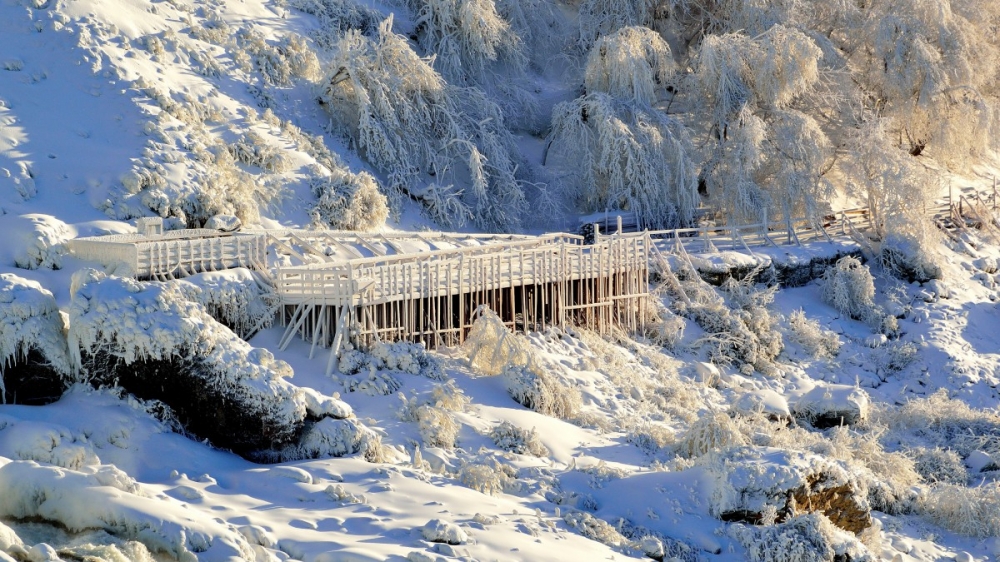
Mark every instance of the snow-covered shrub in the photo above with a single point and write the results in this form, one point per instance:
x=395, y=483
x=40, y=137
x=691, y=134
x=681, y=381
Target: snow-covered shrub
x=132, y=334
x=542, y=392
x=939, y=465
x=228, y=190
x=909, y=256
x=233, y=297
x=336, y=438
x=489, y=477
x=434, y=414
x=624, y=155
x=348, y=201
x=663, y=327
x=714, y=432
x=278, y=64
x=510, y=437
x=651, y=438
x=412, y=124
x=398, y=357
x=849, y=287
x=894, y=356
x=974, y=512
x=815, y=340
x=339, y=494
x=594, y=529
x=253, y=149
x=809, y=537
x=631, y=64
x=600, y=18
x=943, y=422
x=491, y=347
x=30, y=323
x=336, y=17
x=439, y=530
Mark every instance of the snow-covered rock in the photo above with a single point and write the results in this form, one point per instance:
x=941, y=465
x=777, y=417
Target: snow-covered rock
x=439, y=530
x=831, y=405
x=33, y=352
x=151, y=340
x=751, y=482
x=224, y=223
x=33, y=241
x=765, y=401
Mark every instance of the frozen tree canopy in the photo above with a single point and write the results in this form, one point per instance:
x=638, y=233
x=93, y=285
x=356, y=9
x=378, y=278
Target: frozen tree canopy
x=409, y=122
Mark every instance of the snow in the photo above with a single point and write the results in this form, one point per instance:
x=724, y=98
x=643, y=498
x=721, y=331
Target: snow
x=206, y=114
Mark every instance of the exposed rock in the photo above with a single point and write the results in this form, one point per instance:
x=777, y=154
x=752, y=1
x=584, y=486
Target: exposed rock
x=752, y=482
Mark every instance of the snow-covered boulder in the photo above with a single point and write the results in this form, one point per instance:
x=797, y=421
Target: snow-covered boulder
x=832, y=405
x=33, y=353
x=224, y=223
x=753, y=484
x=33, y=241
x=152, y=341
x=439, y=530
x=765, y=401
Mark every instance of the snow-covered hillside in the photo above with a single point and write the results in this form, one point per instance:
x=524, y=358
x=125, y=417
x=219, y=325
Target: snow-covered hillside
x=851, y=418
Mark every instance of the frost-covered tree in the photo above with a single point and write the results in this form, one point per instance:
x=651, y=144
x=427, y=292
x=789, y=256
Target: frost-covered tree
x=421, y=131
x=617, y=150
x=768, y=155
x=598, y=18
x=633, y=63
x=348, y=201
x=625, y=156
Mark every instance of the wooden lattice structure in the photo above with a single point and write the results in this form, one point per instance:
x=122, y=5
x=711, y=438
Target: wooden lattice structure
x=430, y=295
x=173, y=254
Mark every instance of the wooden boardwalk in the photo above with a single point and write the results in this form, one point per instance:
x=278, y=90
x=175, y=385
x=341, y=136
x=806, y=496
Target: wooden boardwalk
x=430, y=296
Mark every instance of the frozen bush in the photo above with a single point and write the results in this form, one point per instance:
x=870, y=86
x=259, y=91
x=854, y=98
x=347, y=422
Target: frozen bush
x=490, y=477
x=815, y=340
x=542, y=392
x=234, y=298
x=594, y=529
x=336, y=17
x=339, y=494
x=278, y=64
x=943, y=422
x=909, y=257
x=849, y=287
x=434, y=414
x=651, y=438
x=810, y=537
x=939, y=465
x=894, y=356
x=253, y=149
x=714, y=432
x=973, y=512
x=348, y=201
x=491, y=348
x=34, y=241
x=511, y=438
x=336, y=438
x=397, y=357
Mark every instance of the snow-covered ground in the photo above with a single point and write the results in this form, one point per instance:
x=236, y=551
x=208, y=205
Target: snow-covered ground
x=112, y=110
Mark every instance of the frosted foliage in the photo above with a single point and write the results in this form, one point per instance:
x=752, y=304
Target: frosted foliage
x=810, y=537
x=849, y=287
x=30, y=320
x=933, y=68
x=944, y=422
x=348, y=201
x=511, y=438
x=228, y=190
x=278, y=64
x=411, y=124
x=234, y=298
x=336, y=17
x=973, y=512
x=491, y=347
x=401, y=356
x=631, y=64
x=542, y=392
x=254, y=150
x=594, y=528
x=712, y=432
x=815, y=340
x=434, y=414
x=337, y=438
x=619, y=155
x=598, y=18
x=133, y=321
x=439, y=530
x=470, y=40
x=490, y=478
